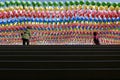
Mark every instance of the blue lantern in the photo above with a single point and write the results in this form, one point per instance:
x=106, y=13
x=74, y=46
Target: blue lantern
x=90, y=19
x=40, y=20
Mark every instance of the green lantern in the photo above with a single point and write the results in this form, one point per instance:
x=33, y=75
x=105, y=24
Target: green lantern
x=39, y=3
x=23, y=3
x=72, y=2
x=98, y=3
x=61, y=3
x=87, y=2
x=93, y=3
x=108, y=4
x=67, y=3
x=104, y=3
x=28, y=3
x=114, y=4
x=34, y=3
x=76, y=2
x=2, y=4
x=12, y=2
x=55, y=3
x=81, y=2
x=18, y=3
x=50, y=3
x=7, y=3
x=119, y=4
x=44, y=3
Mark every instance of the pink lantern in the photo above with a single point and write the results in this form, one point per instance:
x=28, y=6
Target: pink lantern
x=1, y=15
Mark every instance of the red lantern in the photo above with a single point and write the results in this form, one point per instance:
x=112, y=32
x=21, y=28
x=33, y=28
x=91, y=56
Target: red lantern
x=29, y=14
x=1, y=15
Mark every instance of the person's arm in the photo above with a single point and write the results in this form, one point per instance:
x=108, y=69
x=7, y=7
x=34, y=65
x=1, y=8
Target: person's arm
x=29, y=33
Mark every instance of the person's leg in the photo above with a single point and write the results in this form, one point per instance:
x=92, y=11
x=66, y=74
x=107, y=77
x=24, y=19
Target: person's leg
x=23, y=41
x=27, y=41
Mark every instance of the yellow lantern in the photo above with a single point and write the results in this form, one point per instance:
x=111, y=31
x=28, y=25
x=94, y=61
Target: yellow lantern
x=101, y=8
x=85, y=7
x=6, y=9
x=66, y=8
x=70, y=8
x=21, y=7
x=26, y=8
x=16, y=7
x=11, y=8
x=41, y=9
x=36, y=9
x=96, y=7
x=56, y=8
x=31, y=8
x=74, y=7
x=47, y=8
x=117, y=8
x=1, y=10
x=90, y=7
x=61, y=8
x=111, y=8
x=80, y=7
x=50, y=8
x=106, y=8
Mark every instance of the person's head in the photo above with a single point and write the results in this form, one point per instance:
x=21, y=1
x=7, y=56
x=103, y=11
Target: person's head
x=94, y=33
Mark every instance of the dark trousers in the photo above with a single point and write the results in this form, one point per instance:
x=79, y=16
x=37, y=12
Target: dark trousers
x=25, y=41
x=96, y=41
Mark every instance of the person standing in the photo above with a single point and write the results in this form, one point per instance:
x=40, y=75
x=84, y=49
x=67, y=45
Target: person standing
x=26, y=36
x=96, y=39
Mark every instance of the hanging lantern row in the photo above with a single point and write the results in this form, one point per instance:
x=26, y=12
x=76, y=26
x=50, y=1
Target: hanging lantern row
x=60, y=14
x=85, y=7
x=59, y=27
x=73, y=20
x=55, y=3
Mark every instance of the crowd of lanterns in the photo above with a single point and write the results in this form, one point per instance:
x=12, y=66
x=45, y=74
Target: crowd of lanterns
x=60, y=23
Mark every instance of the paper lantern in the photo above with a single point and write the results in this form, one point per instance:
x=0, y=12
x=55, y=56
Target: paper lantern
x=93, y=3
x=101, y=8
x=104, y=3
x=45, y=3
x=56, y=8
x=114, y=4
x=28, y=3
x=38, y=3
x=36, y=9
x=12, y=2
x=21, y=7
x=111, y=8
x=7, y=3
x=91, y=7
x=26, y=8
x=76, y=2
x=55, y=3
x=108, y=4
x=85, y=7
x=87, y=2
x=81, y=2
x=41, y=8
x=34, y=3
x=72, y=2
x=61, y=3
x=23, y=3
x=66, y=3
x=106, y=8
x=17, y=3
x=98, y=3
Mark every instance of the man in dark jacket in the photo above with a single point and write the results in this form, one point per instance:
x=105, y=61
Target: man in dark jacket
x=26, y=36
